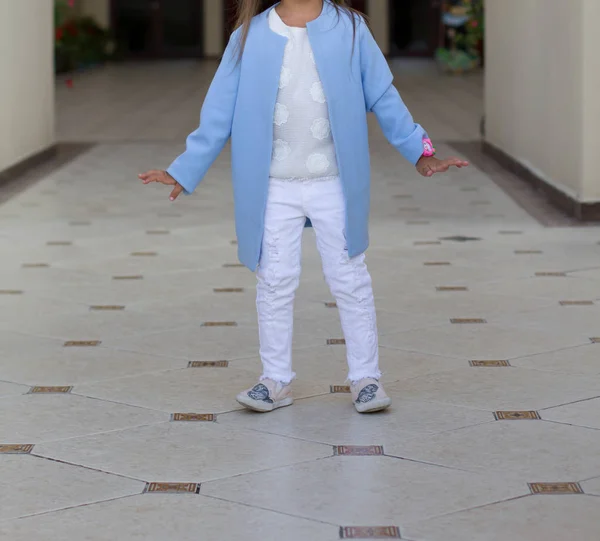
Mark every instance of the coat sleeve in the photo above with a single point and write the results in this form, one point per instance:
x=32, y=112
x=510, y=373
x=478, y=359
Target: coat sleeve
x=382, y=98
x=216, y=119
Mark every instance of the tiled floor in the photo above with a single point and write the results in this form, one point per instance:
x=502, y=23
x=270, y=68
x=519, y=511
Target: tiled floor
x=117, y=382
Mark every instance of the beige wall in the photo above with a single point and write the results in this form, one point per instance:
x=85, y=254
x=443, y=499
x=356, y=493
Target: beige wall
x=378, y=11
x=591, y=100
x=98, y=9
x=540, y=104
x=27, y=80
x=214, y=15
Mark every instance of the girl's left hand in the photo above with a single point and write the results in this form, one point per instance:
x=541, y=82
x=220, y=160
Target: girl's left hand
x=430, y=165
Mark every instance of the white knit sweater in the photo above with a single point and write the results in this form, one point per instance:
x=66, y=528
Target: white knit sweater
x=302, y=143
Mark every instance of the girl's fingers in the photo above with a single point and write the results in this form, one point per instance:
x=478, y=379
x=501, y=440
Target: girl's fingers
x=176, y=192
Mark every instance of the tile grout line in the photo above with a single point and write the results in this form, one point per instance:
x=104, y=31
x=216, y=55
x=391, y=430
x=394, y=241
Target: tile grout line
x=569, y=403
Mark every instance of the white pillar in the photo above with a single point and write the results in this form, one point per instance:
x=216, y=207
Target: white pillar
x=27, y=74
x=378, y=11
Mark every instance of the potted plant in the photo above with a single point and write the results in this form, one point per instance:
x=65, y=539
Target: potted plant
x=464, y=20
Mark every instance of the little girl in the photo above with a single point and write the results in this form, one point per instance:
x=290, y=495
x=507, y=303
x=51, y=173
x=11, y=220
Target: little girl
x=292, y=92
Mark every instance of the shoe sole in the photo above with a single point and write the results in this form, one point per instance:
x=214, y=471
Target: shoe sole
x=374, y=406
x=263, y=407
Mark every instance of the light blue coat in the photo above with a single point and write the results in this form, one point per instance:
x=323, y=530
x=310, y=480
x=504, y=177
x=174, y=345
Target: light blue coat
x=241, y=101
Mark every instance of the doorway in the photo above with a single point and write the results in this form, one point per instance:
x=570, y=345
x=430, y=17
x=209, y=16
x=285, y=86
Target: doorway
x=158, y=28
x=415, y=27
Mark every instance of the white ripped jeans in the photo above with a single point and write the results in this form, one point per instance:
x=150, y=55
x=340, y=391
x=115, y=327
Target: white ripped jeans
x=289, y=204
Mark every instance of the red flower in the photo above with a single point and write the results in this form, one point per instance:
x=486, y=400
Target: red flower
x=59, y=34
x=69, y=83
x=474, y=24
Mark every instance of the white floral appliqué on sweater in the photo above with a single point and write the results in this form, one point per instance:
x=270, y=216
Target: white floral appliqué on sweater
x=302, y=142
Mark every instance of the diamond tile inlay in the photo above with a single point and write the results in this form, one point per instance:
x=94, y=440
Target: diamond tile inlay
x=59, y=243
x=339, y=389
x=595, y=340
x=81, y=343
x=555, y=488
x=528, y=252
x=370, y=532
x=331, y=305
x=173, y=488
x=11, y=292
x=143, y=254
x=461, y=238
x=427, y=243
x=548, y=274
x=358, y=450
x=35, y=265
x=452, y=288
x=228, y=290
x=208, y=364
x=197, y=417
x=467, y=321
x=516, y=415
x=336, y=341
x=576, y=303
x=133, y=277
x=51, y=390
x=489, y=364
x=233, y=265
x=437, y=263
x=219, y=324
x=107, y=307
x=15, y=449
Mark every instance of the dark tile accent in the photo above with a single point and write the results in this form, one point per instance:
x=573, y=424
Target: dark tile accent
x=219, y=324
x=336, y=341
x=11, y=292
x=517, y=415
x=144, y=254
x=20, y=177
x=467, y=321
x=158, y=232
x=460, y=238
x=173, y=488
x=59, y=243
x=370, y=532
x=528, y=252
x=234, y=242
x=228, y=290
x=358, y=450
x=577, y=303
x=193, y=417
x=336, y=389
x=107, y=308
x=15, y=448
x=452, y=288
x=595, y=340
x=208, y=364
x=550, y=274
x=331, y=305
x=50, y=390
x=133, y=277
x=489, y=364
x=35, y=265
x=555, y=488
x=437, y=263
x=510, y=232
x=81, y=343
x=403, y=196
x=233, y=266
x=427, y=243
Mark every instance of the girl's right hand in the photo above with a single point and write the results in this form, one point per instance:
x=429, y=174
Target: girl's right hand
x=163, y=178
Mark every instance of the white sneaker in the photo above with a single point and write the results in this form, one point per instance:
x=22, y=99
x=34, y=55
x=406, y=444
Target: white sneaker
x=369, y=396
x=266, y=395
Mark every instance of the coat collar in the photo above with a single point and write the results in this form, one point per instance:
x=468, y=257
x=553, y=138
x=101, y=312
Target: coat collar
x=325, y=21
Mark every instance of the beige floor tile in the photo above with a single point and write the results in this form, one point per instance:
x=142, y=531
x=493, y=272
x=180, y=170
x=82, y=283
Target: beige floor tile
x=499, y=388
x=586, y=413
x=332, y=419
x=540, y=518
x=592, y=486
x=523, y=450
x=10, y=389
x=582, y=360
x=395, y=491
x=482, y=341
x=47, y=417
x=155, y=517
x=178, y=451
x=31, y=485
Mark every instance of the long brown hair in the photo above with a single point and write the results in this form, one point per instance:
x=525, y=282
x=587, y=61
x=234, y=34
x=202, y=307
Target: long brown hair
x=247, y=9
